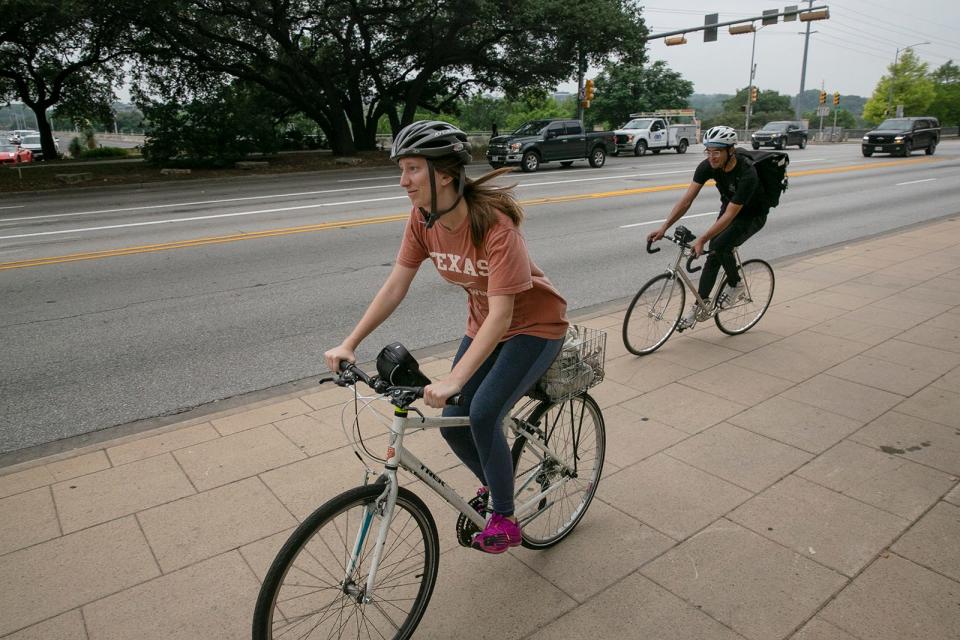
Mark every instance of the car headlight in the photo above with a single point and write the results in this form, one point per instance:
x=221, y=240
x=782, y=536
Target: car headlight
x=515, y=147
x=898, y=139
x=629, y=138
x=866, y=138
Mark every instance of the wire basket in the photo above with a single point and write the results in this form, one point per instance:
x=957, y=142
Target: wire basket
x=578, y=366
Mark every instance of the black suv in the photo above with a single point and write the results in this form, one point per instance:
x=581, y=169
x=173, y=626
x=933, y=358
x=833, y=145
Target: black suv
x=779, y=134
x=903, y=135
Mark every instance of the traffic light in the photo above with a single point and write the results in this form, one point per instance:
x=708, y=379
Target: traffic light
x=588, y=91
x=836, y=98
x=753, y=94
x=823, y=97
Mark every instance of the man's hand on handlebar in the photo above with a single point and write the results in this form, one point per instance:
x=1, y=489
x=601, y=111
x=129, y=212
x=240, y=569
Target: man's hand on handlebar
x=335, y=356
x=653, y=236
x=435, y=394
x=697, y=248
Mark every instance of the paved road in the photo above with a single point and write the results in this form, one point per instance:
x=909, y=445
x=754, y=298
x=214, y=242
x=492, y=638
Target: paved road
x=125, y=304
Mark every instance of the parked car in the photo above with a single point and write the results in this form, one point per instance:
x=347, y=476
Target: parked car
x=17, y=135
x=554, y=140
x=32, y=142
x=12, y=154
x=655, y=134
x=902, y=136
x=779, y=134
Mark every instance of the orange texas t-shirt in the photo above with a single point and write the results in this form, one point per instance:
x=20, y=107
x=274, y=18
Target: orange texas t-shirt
x=501, y=266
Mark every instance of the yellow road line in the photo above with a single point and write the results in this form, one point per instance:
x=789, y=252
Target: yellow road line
x=344, y=224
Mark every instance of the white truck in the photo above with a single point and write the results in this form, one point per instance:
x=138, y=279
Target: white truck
x=655, y=132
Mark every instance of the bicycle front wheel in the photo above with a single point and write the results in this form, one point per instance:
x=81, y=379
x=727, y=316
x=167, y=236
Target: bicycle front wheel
x=653, y=314
x=743, y=314
x=553, y=494
x=308, y=593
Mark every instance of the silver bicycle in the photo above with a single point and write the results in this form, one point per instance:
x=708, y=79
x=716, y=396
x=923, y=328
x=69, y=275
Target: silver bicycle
x=365, y=563
x=655, y=312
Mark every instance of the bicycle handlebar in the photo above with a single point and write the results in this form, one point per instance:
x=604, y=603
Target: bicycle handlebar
x=350, y=373
x=690, y=260
x=649, y=244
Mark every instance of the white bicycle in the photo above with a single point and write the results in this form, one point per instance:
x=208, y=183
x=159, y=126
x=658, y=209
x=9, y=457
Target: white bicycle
x=364, y=564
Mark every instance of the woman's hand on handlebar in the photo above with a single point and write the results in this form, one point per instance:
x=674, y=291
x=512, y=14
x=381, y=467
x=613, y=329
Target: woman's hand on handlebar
x=435, y=394
x=335, y=356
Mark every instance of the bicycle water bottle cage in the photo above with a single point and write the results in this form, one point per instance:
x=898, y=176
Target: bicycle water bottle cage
x=399, y=368
x=683, y=235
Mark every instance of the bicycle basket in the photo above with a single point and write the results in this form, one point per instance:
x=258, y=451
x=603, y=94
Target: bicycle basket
x=578, y=366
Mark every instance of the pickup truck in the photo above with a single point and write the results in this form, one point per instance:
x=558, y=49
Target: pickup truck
x=540, y=141
x=654, y=134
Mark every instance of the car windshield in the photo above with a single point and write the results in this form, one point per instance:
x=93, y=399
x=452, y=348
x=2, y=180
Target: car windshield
x=775, y=126
x=31, y=140
x=7, y=148
x=895, y=124
x=531, y=128
x=639, y=123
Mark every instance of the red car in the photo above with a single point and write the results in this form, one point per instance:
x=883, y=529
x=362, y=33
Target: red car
x=11, y=153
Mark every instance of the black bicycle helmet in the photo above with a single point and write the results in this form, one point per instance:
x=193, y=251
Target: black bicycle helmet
x=432, y=139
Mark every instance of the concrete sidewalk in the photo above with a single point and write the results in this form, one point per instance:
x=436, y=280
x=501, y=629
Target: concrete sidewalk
x=799, y=481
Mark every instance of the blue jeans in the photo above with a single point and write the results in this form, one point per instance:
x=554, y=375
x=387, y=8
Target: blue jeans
x=510, y=371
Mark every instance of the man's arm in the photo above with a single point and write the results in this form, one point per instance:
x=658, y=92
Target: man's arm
x=679, y=209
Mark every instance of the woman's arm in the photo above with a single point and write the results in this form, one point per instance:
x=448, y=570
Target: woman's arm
x=489, y=335
x=386, y=301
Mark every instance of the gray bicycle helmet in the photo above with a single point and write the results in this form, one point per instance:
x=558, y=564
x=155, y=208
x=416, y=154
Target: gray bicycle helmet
x=720, y=136
x=433, y=139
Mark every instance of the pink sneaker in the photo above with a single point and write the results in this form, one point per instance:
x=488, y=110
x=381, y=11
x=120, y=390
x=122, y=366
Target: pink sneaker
x=499, y=535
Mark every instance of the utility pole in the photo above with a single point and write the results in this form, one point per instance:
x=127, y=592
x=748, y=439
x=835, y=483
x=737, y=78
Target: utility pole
x=581, y=71
x=753, y=72
x=803, y=69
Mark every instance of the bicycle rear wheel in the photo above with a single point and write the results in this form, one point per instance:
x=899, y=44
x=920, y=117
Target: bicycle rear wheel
x=653, y=314
x=574, y=430
x=737, y=318
x=307, y=593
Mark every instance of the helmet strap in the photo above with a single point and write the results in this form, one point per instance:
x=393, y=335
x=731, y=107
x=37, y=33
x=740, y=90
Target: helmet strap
x=434, y=215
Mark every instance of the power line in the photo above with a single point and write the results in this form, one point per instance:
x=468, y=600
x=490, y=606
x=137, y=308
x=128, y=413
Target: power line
x=898, y=29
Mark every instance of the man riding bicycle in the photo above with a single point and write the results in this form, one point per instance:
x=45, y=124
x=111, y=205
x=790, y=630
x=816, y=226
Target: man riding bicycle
x=743, y=212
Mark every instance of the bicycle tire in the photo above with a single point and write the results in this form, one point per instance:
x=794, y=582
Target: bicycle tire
x=651, y=319
x=573, y=429
x=740, y=317
x=316, y=554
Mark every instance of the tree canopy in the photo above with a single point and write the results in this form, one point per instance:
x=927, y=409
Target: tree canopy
x=946, y=94
x=623, y=89
x=348, y=63
x=60, y=52
x=908, y=83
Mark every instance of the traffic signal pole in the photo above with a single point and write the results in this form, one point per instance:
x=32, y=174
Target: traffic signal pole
x=753, y=72
x=803, y=68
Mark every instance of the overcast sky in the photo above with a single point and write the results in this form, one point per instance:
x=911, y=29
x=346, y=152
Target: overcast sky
x=848, y=53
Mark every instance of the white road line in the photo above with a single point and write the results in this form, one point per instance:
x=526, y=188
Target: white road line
x=15, y=206
x=900, y=184
x=193, y=219
x=640, y=224
x=291, y=195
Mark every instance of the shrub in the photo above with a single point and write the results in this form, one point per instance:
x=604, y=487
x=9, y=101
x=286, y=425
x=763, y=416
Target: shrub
x=76, y=148
x=105, y=152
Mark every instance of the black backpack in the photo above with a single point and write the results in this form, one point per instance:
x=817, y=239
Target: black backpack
x=771, y=168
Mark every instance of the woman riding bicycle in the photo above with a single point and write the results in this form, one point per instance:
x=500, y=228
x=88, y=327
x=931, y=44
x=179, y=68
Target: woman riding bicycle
x=516, y=320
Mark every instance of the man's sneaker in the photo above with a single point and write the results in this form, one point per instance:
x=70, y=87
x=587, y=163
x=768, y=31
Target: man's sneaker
x=690, y=319
x=732, y=295
x=500, y=534
x=465, y=527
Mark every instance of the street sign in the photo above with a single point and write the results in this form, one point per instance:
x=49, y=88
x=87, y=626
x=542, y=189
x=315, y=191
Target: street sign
x=823, y=110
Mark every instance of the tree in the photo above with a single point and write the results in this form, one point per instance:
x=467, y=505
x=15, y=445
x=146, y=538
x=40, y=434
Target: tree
x=908, y=84
x=55, y=52
x=348, y=63
x=946, y=97
x=623, y=89
x=770, y=106
x=845, y=119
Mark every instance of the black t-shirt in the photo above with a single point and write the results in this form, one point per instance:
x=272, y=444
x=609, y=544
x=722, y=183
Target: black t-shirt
x=739, y=186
